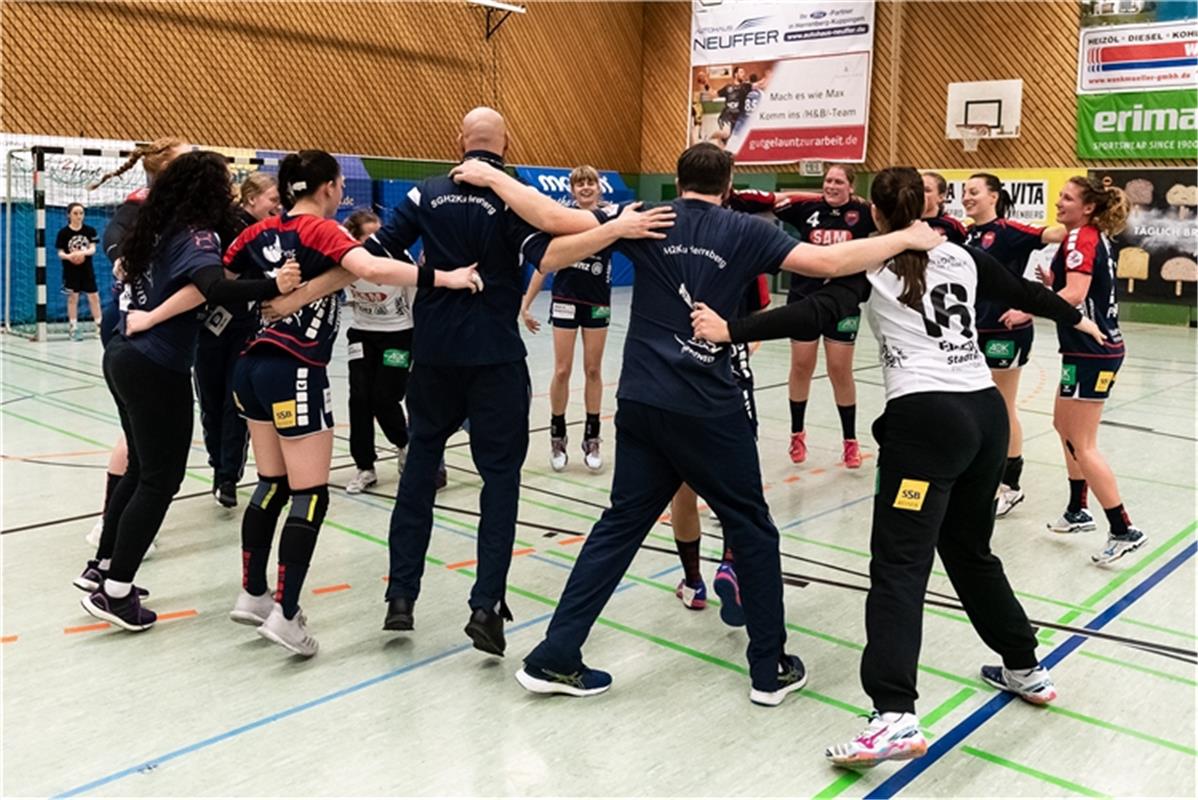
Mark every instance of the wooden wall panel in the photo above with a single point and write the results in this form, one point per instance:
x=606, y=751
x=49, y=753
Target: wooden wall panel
x=666, y=84
x=358, y=77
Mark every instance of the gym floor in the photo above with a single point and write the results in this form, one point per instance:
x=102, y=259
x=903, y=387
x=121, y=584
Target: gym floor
x=200, y=706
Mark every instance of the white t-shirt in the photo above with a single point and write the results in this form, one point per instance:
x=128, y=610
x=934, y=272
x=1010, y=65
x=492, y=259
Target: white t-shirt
x=937, y=350
x=381, y=308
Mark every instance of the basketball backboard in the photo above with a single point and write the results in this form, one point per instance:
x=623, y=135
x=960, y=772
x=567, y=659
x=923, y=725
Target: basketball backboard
x=996, y=105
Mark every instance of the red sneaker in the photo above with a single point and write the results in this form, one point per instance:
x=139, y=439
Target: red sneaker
x=798, y=447
x=852, y=454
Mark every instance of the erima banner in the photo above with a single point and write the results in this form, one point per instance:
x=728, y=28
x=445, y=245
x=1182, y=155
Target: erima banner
x=1137, y=58
x=782, y=82
x=1138, y=125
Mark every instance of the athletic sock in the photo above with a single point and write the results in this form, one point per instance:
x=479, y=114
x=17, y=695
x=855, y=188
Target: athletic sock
x=1013, y=471
x=557, y=425
x=109, y=485
x=688, y=554
x=848, y=420
x=798, y=410
x=105, y=564
x=1119, y=520
x=592, y=426
x=117, y=589
x=1077, y=495
x=297, y=543
x=258, y=530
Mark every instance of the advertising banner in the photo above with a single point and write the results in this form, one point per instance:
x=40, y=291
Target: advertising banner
x=1125, y=12
x=782, y=82
x=1137, y=58
x=1157, y=255
x=1138, y=125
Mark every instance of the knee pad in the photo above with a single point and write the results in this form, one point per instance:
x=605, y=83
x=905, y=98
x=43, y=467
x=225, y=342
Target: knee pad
x=308, y=507
x=271, y=494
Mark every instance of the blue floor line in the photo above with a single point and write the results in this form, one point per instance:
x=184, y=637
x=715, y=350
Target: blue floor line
x=319, y=701
x=946, y=742
x=840, y=507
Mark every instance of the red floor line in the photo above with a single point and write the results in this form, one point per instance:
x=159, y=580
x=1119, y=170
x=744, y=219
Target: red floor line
x=524, y=552
x=98, y=626
x=461, y=564
x=572, y=540
x=167, y=617
x=340, y=587
x=8, y=639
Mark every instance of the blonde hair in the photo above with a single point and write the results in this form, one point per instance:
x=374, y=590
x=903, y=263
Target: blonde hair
x=254, y=186
x=154, y=156
x=1111, y=206
x=584, y=172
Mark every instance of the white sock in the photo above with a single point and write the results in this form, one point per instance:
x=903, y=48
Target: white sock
x=897, y=716
x=117, y=589
x=105, y=564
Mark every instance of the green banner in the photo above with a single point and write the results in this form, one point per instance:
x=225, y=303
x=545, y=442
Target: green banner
x=1138, y=125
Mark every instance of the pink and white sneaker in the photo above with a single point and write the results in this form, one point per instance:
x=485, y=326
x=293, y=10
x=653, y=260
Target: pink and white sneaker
x=892, y=736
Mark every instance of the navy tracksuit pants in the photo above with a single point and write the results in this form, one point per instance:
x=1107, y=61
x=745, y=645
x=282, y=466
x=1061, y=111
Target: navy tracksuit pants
x=494, y=399
x=656, y=451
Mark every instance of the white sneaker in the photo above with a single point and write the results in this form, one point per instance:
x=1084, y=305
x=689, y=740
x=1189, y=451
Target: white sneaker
x=892, y=736
x=1035, y=685
x=557, y=453
x=1008, y=498
x=590, y=454
x=93, y=536
x=1119, y=546
x=1074, y=522
x=401, y=460
x=251, y=610
x=362, y=481
x=289, y=633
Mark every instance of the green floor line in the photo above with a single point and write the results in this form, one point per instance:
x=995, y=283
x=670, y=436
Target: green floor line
x=836, y=787
x=944, y=709
x=1159, y=628
x=76, y=408
x=1121, y=476
x=1061, y=783
x=63, y=431
x=1110, y=726
x=1146, y=670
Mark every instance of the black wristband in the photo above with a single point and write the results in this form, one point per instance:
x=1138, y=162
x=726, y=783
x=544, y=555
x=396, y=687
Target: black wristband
x=426, y=277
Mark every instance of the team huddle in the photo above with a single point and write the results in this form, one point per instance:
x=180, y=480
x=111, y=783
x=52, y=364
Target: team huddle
x=249, y=295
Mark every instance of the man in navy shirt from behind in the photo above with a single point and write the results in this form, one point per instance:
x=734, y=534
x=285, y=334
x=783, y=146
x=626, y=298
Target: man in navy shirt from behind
x=680, y=415
x=468, y=364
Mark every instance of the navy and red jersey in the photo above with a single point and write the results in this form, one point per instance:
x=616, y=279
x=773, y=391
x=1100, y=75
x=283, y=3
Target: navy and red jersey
x=1086, y=251
x=951, y=227
x=587, y=281
x=1009, y=243
x=318, y=245
x=819, y=222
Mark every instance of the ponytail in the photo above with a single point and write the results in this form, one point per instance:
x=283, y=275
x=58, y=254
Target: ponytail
x=302, y=173
x=155, y=155
x=1111, y=206
x=897, y=194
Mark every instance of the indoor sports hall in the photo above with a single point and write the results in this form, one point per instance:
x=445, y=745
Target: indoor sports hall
x=125, y=116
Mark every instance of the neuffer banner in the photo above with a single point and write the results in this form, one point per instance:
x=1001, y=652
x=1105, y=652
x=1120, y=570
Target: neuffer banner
x=782, y=82
x=1137, y=58
x=1138, y=125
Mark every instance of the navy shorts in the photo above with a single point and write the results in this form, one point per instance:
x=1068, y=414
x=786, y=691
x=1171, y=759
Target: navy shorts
x=1007, y=349
x=291, y=395
x=1088, y=378
x=565, y=314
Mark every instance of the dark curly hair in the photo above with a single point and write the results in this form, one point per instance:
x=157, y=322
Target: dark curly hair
x=195, y=191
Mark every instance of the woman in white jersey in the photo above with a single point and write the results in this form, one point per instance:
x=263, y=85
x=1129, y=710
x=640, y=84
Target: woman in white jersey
x=942, y=440
x=380, y=359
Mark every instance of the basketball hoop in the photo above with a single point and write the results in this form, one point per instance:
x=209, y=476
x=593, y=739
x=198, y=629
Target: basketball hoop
x=970, y=135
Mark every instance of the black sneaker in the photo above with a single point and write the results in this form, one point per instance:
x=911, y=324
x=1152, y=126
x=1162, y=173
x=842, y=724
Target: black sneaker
x=124, y=612
x=399, y=615
x=226, y=494
x=92, y=578
x=792, y=676
x=485, y=629
x=581, y=683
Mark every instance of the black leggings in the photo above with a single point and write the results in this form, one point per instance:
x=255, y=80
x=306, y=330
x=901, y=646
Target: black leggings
x=155, y=406
x=378, y=381
x=941, y=457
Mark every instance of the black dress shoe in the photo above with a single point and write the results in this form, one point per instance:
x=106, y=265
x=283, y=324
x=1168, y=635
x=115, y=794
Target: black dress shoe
x=485, y=629
x=399, y=615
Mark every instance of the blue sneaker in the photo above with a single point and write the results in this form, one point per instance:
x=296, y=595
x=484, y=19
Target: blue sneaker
x=581, y=683
x=693, y=596
x=792, y=676
x=728, y=589
x=124, y=612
